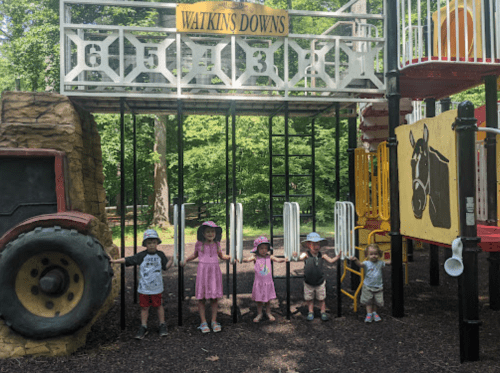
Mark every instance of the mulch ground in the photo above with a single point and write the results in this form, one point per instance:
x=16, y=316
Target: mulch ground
x=425, y=340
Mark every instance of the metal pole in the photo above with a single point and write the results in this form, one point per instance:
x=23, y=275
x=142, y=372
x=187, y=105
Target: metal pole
x=313, y=173
x=287, y=199
x=465, y=125
x=490, y=83
x=180, y=201
x=233, y=118
x=352, y=140
x=122, y=212
x=337, y=197
x=227, y=203
x=430, y=112
x=393, y=94
x=135, y=200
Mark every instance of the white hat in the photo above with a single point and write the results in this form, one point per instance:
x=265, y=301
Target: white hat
x=314, y=237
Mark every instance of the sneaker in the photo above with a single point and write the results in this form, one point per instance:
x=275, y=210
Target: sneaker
x=369, y=317
x=163, y=330
x=376, y=317
x=324, y=316
x=310, y=316
x=204, y=328
x=141, y=333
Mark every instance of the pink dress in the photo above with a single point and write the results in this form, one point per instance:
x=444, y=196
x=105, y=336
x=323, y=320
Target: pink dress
x=209, y=275
x=263, y=285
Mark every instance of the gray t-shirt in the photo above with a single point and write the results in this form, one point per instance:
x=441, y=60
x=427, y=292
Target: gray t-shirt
x=373, y=273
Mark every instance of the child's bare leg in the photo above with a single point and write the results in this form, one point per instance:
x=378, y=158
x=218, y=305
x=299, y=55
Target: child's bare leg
x=161, y=315
x=369, y=308
x=215, y=308
x=144, y=315
x=201, y=310
x=310, y=305
x=322, y=306
x=259, y=312
x=268, y=312
x=374, y=308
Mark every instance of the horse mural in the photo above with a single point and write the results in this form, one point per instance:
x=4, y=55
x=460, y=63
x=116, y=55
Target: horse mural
x=430, y=175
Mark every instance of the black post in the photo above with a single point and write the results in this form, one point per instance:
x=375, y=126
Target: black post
x=135, y=200
x=233, y=143
x=180, y=199
x=430, y=112
x=445, y=104
x=490, y=83
x=465, y=125
x=393, y=95
x=409, y=250
x=122, y=212
x=352, y=140
x=313, y=173
x=271, y=207
x=228, y=241
x=287, y=199
x=337, y=198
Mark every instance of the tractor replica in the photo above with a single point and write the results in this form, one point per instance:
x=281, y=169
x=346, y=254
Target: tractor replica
x=55, y=275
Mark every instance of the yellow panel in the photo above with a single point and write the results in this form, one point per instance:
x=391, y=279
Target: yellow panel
x=227, y=17
x=470, y=29
x=430, y=215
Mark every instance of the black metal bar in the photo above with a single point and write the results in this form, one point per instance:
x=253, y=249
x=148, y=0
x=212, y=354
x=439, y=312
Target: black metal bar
x=313, y=173
x=352, y=142
x=228, y=240
x=122, y=209
x=393, y=94
x=434, y=265
x=487, y=26
x=271, y=207
x=409, y=250
x=135, y=199
x=445, y=104
x=430, y=107
x=287, y=199
x=337, y=198
x=465, y=125
x=180, y=195
x=491, y=175
x=233, y=164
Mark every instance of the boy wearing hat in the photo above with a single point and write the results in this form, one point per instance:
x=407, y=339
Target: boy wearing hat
x=314, y=277
x=151, y=262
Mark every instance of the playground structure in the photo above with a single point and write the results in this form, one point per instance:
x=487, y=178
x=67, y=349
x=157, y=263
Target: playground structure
x=171, y=70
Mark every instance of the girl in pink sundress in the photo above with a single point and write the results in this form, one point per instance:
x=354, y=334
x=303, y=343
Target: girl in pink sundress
x=209, y=275
x=263, y=285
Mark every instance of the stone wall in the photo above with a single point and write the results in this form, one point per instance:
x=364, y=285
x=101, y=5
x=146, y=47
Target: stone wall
x=51, y=121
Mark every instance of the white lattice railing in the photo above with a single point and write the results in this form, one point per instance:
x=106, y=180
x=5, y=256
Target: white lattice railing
x=453, y=31
x=158, y=62
x=481, y=183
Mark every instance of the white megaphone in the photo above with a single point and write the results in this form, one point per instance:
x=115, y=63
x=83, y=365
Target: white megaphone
x=454, y=266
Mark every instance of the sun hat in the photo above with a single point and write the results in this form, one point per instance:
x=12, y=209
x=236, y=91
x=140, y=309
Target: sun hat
x=314, y=237
x=258, y=241
x=150, y=233
x=209, y=224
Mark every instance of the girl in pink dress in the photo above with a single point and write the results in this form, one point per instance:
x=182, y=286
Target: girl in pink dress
x=209, y=275
x=263, y=285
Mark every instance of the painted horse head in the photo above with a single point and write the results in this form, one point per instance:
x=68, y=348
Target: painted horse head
x=430, y=181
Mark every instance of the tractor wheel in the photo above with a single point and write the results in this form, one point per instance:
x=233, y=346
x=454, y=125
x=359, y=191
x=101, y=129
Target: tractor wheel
x=52, y=282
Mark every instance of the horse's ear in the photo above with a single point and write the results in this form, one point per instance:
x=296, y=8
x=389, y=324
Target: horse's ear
x=412, y=140
x=426, y=133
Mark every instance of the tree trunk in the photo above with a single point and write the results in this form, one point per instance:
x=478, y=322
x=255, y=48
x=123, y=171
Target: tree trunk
x=161, y=195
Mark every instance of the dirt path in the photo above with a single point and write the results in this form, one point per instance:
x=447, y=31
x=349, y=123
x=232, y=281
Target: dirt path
x=425, y=340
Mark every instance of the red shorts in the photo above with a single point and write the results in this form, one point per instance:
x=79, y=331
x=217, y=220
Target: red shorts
x=147, y=300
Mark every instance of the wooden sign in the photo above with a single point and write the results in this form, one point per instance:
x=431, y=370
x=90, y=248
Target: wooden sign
x=428, y=179
x=227, y=17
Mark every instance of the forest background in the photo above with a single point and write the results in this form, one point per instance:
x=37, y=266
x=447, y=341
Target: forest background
x=29, y=61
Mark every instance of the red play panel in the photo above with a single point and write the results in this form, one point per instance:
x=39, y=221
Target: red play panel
x=490, y=237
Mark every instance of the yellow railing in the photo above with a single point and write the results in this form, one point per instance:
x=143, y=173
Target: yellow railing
x=372, y=184
x=360, y=273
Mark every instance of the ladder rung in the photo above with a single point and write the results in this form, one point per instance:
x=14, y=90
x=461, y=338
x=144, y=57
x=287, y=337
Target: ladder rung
x=301, y=215
x=284, y=277
x=281, y=175
x=283, y=135
x=292, y=195
x=291, y=155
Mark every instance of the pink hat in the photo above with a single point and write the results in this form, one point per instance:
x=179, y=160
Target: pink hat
x=209, y=224
x=258, y=241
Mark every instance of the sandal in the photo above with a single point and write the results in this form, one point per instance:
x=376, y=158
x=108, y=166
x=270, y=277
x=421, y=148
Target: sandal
x=216, y=327
x=258, y=318
x=310, y=316
x=204, y=328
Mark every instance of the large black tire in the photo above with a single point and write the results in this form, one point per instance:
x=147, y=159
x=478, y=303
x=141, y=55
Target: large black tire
x=83, y=282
